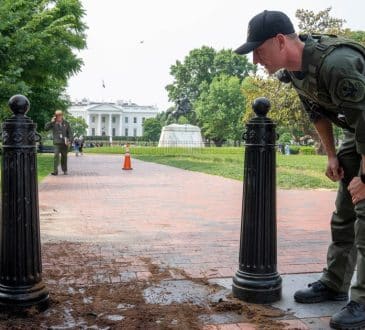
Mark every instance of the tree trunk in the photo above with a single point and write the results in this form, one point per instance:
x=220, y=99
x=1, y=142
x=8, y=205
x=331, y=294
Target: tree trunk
x=317, y=140
x=320, y=150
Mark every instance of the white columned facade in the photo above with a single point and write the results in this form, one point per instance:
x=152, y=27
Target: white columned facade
x=120, y=125
x=100, y=117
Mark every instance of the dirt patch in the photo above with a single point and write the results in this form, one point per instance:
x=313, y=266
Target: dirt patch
x=89, y=288
x=264, y=317
x=104, y=306
x=158, y=272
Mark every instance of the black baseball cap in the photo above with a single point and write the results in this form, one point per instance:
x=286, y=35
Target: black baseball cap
x=264, y=26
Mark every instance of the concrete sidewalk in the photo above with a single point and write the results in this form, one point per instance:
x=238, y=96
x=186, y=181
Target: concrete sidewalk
x=184, y=223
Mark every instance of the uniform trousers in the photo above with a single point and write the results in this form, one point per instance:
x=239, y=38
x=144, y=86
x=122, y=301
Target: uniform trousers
x=60, y=149
x=347, y=249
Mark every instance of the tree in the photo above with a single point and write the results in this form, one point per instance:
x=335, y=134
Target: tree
x=199, y=69
x=322, y=22
x=286, y=109
x=37, y=43
x=183, y=120
x=220, y=108
x=78, y=125
x=285, y=138
x=165, y=117
x=152, y=129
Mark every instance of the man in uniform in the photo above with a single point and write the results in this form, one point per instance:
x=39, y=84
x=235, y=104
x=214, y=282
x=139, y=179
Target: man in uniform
x=328, y=73
x=61, y=140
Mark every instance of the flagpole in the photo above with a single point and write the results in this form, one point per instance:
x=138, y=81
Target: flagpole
x=102, y=91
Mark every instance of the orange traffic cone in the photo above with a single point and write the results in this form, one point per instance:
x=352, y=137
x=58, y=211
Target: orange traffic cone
x=127, y=159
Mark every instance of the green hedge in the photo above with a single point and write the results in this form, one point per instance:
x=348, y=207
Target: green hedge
x=307, y=150
x=303, y=150
x=115, y=138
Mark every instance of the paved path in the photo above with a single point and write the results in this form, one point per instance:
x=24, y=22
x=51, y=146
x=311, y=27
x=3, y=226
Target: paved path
x=101, y=225
x=184, y=219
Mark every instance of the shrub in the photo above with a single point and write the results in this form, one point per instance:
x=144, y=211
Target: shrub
x=307, y=150
x=294, y=150
x=285, y=138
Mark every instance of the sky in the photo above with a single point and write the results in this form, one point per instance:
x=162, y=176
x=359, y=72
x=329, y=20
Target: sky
x=132, y=44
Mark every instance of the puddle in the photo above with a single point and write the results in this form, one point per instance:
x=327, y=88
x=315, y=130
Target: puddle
x=125, y=306
x=115, y=317
x=184, y=291
x=69, y=323
x=177, y=292
x=71, y=290
x=221, y=318
x=87, y=300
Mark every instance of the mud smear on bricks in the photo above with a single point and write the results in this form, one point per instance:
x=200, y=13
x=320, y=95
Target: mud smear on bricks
x=89, y=288
x=264, y=317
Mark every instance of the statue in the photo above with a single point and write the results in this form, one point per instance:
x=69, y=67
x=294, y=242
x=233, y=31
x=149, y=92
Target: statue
x=180, y=135
x=183, y=108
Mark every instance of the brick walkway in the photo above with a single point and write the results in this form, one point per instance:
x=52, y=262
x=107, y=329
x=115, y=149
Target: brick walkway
x=101, y=225
x=183, y=219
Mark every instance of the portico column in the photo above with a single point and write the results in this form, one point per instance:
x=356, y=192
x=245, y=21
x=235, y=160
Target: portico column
x=89, y=124
x=99, y=124
x=110, y=125
x=121, y=125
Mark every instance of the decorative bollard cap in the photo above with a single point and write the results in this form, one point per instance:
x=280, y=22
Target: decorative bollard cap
x=261, y=106
x=19, y=105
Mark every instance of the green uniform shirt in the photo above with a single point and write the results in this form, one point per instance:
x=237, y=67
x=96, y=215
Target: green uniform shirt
x=61, y=131
x=340, y=94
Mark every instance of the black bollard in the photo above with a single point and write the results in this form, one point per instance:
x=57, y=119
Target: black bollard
x=20, y=250
x=257, y=279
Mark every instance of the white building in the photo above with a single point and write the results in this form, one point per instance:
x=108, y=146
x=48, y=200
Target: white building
x=113, y=119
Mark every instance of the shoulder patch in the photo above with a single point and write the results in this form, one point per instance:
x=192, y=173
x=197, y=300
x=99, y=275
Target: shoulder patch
x=351, y=90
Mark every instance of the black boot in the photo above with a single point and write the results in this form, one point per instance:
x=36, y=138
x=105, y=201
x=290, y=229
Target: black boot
x=318, y=292
x=351, y=317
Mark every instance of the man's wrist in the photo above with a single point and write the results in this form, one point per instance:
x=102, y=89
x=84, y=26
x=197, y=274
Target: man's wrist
x=331, y=152
x=362, y=164
x=362, y=171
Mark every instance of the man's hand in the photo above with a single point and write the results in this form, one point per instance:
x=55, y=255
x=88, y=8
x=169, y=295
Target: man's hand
x=334, y=171
x=357, y=190
x=53, y=119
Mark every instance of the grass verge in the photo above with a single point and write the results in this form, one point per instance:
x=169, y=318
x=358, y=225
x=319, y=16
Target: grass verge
x=45, y=165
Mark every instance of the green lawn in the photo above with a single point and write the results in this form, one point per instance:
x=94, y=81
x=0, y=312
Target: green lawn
x=295, y=171
x=45, y=165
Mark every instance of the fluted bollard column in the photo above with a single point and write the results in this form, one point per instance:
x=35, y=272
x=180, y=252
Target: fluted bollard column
x=20, y=250
x=257, y=279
